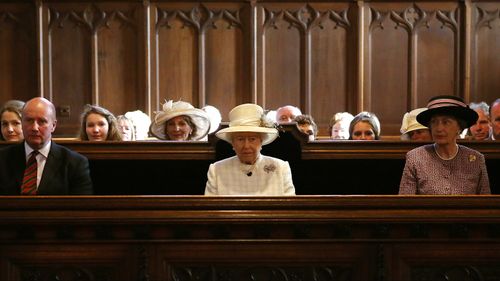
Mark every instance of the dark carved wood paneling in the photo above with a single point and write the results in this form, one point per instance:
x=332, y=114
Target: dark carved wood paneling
x=18, y=52
x=404, y=39
x=250, y=238
x=439, y=262
x=99, y=44
x=228, y=65
x=281, y=37
x=201, y=54
x=263, y=261
x=382, y=56
x=485, y=28
x=174, y=52
x=143, y=167
x=120, y=59
x=67, y=262
x=333, y=51
x=69, y=61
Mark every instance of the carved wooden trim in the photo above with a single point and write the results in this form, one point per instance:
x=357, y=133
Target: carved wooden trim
x=8, y=16
x=306, y=18
x=485, y=17
x=259, y=273
x=199, y=17
x=92, y=18
x=413, y=18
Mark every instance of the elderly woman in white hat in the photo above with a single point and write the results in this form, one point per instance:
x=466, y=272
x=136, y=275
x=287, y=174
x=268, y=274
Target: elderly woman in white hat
x=444, y=167
x=180, y=121
x=412, y=130
x=249, y=172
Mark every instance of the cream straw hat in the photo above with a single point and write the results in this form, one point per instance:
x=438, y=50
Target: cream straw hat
x=249, y=117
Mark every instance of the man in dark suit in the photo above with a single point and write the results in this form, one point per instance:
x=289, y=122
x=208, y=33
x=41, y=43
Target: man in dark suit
x=59, y=171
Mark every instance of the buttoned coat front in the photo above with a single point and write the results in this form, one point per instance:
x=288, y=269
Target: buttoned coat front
x=269, y=176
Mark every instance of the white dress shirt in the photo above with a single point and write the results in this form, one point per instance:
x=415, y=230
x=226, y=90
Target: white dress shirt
x=268, y=176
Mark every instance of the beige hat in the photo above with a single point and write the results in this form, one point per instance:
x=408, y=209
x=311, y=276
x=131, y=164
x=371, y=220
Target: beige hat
x=410, y=122
x=249, y=117
x=173, y=109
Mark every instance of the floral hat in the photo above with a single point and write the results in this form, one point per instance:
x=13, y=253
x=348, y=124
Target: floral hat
x=249, y=117
x=179, y=108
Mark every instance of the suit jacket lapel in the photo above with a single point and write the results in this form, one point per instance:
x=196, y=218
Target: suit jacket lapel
x=18, y=166
x=51, y=167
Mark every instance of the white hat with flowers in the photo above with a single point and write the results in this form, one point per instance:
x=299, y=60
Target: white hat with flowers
x=172, y=109
x=249, y=117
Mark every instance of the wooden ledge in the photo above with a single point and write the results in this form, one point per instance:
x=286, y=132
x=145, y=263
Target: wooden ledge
x=155, y=209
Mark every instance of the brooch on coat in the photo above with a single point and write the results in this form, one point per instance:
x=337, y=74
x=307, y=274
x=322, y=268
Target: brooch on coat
x=472, y=158
x=269, y=168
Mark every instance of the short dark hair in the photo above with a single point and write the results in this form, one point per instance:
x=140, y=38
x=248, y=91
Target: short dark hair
x=305, y=119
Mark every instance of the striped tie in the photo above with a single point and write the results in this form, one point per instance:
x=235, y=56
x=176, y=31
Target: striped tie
x=29, y=179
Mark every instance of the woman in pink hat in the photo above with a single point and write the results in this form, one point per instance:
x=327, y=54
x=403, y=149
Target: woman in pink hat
x=444, y=167
x=249, y=172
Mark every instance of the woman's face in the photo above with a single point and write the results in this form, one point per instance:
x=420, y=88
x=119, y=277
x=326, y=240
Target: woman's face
x=11, y=126
x=420, y=135
x=363, y=131
x=96, y=127
x=444, y=129
x=340, y=131
x=178, y=129
x=247, y=146
x=126, y=128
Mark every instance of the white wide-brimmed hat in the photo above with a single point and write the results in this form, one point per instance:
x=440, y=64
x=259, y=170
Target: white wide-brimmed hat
x=249, y=117
x=179, y=108
x=410, y=122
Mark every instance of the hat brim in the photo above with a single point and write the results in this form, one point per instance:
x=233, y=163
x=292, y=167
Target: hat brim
x=466, y=114
x=198, y=116
x=414, y=128
x=268, y=134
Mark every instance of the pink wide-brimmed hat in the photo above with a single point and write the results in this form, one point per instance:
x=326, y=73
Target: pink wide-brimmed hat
x=448, y=105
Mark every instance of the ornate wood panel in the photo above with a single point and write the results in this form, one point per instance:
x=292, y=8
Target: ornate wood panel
x=413, y=53
x=67, y=261
x=382, y=56
x=307, y=57
x=201, y=53
x=250, y=238
x=485, y=61
x=93, y=56
x=18, y=52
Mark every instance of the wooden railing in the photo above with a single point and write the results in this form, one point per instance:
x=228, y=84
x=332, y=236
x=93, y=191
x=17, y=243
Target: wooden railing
x=318, y=167
x=241, y=238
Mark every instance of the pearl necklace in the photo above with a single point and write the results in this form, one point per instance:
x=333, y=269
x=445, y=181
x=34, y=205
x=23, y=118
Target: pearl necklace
x=449, y=158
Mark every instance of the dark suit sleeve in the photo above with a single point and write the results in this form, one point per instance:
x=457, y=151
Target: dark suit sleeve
x=80, y=182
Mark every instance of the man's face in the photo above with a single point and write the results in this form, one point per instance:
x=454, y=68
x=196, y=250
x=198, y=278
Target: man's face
x=480, y=130
x=495, y=120
x=286, y=114
x=38, y=123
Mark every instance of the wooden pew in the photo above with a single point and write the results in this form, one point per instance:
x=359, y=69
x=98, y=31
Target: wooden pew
x=179, y=168
x=121, y=238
